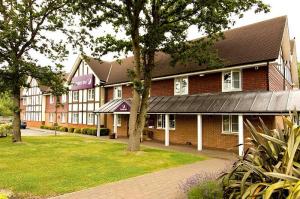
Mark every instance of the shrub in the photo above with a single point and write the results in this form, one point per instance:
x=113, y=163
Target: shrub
x=5, y=129
x=84, y=131
x=43, y=127
x=77, y=130
x=70, y=129
x=270, y=168
x=207, y=190
x=63, y=129
x=2, y=196
x=92, y=131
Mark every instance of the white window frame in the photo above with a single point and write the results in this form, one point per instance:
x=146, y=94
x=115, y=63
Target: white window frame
x=91, y=118
x=51, y=115
x=24, y=101
x=75, y=93
x=181, y=90
x=163, y=121
x=230, y=131
x=91, y=94
x=232, y=89
x=63, y=118
x=117, y=94
x=73, y=120
x=64, y=98
x=51, y=99
x=119, y=120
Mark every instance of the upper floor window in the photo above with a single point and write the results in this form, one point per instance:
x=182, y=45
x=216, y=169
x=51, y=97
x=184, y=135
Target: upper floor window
x=117, y=92
x=181, y=86
x=64, y=98
x=51, y=99
x=230, y=123
x=161, y=121
x=75, y=95
x=280, y=62
x=231, y=81
x=91, y=94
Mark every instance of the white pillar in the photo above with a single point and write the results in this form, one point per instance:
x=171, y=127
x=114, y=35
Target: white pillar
x=199, y=132
x=167, y=130
x=116, y=125
x=98, y=124
x=241, y=135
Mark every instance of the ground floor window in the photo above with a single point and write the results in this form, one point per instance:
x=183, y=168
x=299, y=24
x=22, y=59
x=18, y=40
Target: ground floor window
x=161, y=121
x=75, y=118
x=230, y=123
x=119, y=120
x=51, y=117
x=63, y=118
x=90, y=118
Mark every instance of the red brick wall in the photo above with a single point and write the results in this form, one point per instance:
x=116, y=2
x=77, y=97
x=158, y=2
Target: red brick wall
x=208, y=83
x=162, y=88
x=34, y=124
x=109, y=94
x=255, y=79
x=126, y=91
x=50, y=108
x=276, y=80
x=123, y=129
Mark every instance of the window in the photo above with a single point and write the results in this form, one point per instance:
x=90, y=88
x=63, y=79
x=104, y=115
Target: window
x=119, y=120
x=75, y=95
x=230, y=124
x=280, y=63
x=51, y=99
x=91, y=94
x=181, y=86
x=117, y=92
x=63, y=118
x=75, y=118
x=231, y=81
x=161, y=121
x=64, y=98
x=24, y=101
x=51, y=116
x=90, y=118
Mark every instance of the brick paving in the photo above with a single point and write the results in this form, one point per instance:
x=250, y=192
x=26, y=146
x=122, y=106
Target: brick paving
x=163, y=184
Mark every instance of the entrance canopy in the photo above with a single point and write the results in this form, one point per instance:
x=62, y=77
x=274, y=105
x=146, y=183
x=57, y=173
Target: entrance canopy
x=264, y=102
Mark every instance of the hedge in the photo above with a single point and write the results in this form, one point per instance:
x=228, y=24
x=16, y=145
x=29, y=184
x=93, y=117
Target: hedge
x=63, y=129
x=70, y=129
x=76, y=130
x=85, y=131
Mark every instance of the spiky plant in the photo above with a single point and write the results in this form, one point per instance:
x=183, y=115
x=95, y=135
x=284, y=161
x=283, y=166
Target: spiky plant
x=270, y=168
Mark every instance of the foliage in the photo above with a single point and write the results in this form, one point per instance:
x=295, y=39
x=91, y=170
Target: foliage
x=25, y=32
x=5, y=129
x=70, y=129
x=74, y=163
x=2, y=196
x=270, y=168
x=6, y=105
x=157, y=26
x=207, y=190
x=63, y=129
x=77, y=130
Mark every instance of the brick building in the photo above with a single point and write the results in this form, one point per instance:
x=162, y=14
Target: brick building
x=196, y=104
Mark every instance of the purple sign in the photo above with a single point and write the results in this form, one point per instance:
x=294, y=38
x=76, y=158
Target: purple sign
x=83, y=82
x=124, y=107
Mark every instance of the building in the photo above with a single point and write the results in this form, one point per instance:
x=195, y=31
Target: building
x=196, y=105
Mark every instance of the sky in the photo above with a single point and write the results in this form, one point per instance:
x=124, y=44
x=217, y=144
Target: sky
x=278, y=8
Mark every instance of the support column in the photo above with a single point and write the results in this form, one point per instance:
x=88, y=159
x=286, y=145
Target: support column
x=241, y=135
x=98, y=124
x=199, y=132
x=167, y=130
x=116, y=125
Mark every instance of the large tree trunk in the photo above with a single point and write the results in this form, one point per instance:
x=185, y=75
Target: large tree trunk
x=17, y=118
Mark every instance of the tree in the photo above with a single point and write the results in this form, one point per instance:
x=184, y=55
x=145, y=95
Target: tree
x=151, y=26
x=24, y=31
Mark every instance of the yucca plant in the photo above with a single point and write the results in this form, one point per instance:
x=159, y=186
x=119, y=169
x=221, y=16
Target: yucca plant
x=270, y=167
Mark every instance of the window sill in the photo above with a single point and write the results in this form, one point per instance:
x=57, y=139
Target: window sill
x=230, y=133
x=235, y=90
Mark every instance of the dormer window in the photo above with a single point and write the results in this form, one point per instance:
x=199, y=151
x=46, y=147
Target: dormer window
x=181, y=86
x=231, y=81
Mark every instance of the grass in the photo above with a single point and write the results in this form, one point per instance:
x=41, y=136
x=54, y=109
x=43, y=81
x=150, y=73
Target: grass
x=48, y=166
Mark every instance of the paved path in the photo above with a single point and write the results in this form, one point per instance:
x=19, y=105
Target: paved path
x=39, y=132
x=158, y=185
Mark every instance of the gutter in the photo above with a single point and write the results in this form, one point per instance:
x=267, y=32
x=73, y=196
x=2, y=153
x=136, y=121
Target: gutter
x=201, y=72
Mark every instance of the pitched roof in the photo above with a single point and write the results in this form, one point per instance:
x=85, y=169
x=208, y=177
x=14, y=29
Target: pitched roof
x=249, y=44
x=100, y=68
x=261, y=102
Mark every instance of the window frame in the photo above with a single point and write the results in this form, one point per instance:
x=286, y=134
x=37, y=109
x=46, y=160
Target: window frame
x=163, y=121
x=180, y=80
x=232, y=89
x=119, y=120
x=63, y=98
x=51, y=99
x=92, y=117
x=73, y=96
x=92, y=96
x=230, y=132
x=63, y=118
x=75, y=122
x=116, y=93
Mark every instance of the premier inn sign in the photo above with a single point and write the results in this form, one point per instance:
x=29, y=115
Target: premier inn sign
x=83, y=82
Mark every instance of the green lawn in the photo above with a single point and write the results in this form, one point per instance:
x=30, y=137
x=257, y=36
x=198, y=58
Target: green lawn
x=47, y=166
